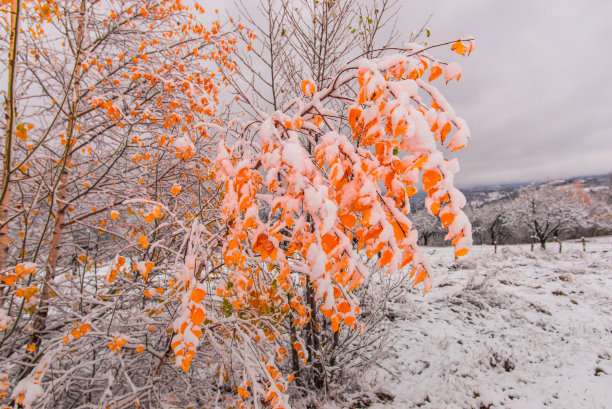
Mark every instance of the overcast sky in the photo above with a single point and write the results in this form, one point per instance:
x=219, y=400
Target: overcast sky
x=537, y=90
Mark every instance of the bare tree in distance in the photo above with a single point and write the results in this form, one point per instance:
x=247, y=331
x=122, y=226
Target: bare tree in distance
x=494, y=220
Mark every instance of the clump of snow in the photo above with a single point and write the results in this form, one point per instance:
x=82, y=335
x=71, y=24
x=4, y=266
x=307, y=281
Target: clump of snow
x=313, y=199
x=183, y=144
x=5, y=320
x=317, y=260
x=295, y=156
x=453, y=70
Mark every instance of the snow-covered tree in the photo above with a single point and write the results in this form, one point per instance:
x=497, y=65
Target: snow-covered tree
x=548, y=210
x=492, y=219
x=427, y=225
x=599, y=206
x=143, y=267
x=324, y=188
x=105, y=166
x=294, y=40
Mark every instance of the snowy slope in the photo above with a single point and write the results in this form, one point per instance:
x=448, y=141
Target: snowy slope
x=517, y=329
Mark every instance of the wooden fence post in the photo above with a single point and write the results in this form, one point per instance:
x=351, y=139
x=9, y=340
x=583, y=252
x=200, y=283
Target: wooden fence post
x=560, y=244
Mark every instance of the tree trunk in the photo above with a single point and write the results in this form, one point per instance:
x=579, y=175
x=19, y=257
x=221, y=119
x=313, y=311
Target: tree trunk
x=295, y=360
x=5, y=195
x=314, y=354
x=56, y=235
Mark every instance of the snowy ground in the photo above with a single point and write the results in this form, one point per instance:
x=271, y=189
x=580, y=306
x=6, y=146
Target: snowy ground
x=516, y=329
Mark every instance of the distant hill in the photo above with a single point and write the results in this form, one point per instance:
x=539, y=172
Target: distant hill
x=480, y=195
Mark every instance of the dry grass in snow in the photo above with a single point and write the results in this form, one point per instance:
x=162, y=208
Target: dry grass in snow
x=516, y=329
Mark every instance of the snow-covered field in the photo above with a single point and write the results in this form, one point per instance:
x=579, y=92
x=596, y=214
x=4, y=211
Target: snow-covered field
x=516, y=329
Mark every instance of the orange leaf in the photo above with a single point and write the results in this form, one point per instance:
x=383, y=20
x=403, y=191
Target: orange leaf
x=111, y=276
x=21, y=132
x=344, y=307
x=329, y=242
x=445, y=130
x=436, y=71
x=386, y=258
x=430, y=178
x=10, y=279
x=289, y=221
x=348, y=220
x=84, y=328
x=197, y=316
x=309, y=88
x=354, y=114
x=273, y=254
x=401, y=127
x=435, y=208
x=447, y=219
x=461, y=252
x=373, y=233
x=459, y=48
x=142, y=240
x=149, y=266
x=421, y=275
x=198, y=295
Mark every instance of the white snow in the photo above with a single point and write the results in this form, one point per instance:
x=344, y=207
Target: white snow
x=453, y=70
x=183, y=144
x=295, y=156
x=5, y=320
x=516, y=329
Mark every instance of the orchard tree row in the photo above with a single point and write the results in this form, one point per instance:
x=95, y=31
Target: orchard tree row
x=538, y=214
